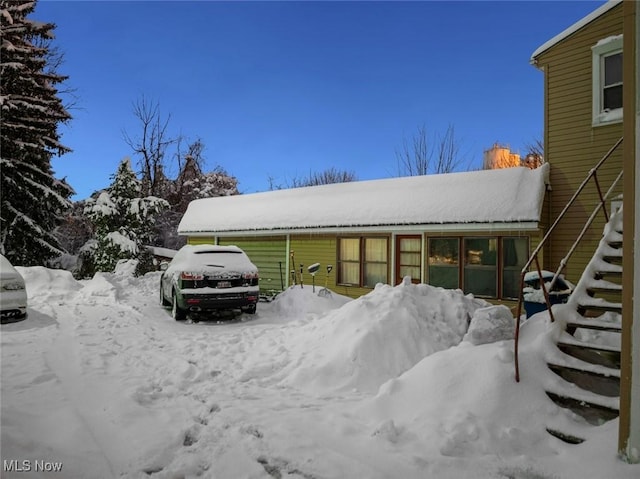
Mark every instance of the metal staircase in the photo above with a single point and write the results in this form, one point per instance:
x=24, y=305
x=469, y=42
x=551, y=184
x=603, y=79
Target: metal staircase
x=587, y=359
x=585, y=365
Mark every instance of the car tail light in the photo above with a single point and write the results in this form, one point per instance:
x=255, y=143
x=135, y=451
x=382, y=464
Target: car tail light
x=250, y=278
x=191, y=276
x=14, y=286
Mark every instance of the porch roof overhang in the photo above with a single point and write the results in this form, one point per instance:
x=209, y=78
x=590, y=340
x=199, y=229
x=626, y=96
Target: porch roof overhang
x=488, y=200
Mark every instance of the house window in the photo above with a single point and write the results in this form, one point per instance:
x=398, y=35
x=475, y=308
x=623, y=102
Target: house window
x=489, y=267
x=481, y=266
x=363, y=261
x=409, y=254
x=515, y=253
x=375, y=261
x=443, y=262
x=607, y=81
x=349, y=261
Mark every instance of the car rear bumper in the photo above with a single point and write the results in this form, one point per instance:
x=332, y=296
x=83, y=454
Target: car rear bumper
x=13, y=305
x=14, y=314
x=218, y=301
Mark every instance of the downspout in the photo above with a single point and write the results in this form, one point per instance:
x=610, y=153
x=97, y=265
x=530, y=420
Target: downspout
x=629, y=422
x=287, y=268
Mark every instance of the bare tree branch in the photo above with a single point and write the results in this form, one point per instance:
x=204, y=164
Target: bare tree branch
x=152, y=145
x=535, y=154
x=422, y=156
x=326, y=177
x=536, y=147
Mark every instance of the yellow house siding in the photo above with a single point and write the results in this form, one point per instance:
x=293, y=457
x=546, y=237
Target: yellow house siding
x=573, y=146
x=195, y=240
x=310, y=249
x=268, y=254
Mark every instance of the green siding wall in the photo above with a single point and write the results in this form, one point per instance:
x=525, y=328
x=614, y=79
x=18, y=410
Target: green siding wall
x=195, y=240
x=310, y=249
x=269, y=255
x=572, y=145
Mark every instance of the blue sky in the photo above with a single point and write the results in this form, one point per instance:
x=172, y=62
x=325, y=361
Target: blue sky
x=280, y=89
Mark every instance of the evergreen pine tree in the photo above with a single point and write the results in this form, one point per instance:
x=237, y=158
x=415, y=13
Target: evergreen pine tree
x=123, y=221
x=33, y=201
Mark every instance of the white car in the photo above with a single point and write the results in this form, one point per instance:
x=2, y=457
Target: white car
x=207, y=278
x=13, y=295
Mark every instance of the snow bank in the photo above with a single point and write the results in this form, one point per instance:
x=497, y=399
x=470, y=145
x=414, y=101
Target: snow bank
x=296, y=302
x=464, y=401
x=52, y=283
x=454, y=402
x=378, y=336
x=491, y=324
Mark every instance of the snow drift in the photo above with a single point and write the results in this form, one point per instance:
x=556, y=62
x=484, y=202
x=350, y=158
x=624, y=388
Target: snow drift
x=378, y=336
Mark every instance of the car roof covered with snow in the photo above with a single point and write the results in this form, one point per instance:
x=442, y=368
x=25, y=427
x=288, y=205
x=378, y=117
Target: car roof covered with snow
x=513, y=196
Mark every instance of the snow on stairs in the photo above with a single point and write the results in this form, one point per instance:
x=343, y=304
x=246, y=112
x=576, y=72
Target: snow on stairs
x=587, y=362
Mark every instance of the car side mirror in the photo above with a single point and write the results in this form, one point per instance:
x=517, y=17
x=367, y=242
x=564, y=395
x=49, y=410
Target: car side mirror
x=164, y=265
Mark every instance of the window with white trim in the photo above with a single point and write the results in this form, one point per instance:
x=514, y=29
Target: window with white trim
x=607, y=81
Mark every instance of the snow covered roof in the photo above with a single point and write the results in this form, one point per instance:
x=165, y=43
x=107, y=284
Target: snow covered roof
x=163, y=252
x=574, y=28
x=511, y=196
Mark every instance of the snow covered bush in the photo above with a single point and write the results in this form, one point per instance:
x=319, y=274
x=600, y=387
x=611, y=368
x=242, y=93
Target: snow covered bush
x=123, y=221
x=145, y=263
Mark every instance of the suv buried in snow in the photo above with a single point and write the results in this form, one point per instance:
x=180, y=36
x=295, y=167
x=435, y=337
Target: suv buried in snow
x=13, y=295
x=207, y=278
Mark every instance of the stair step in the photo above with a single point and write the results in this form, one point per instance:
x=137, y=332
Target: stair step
x=608, y=273
x=590, y=380
x=602, y=285
x=613, y=288
x=593, y=413
x=607, y=356
x=598, y=305
x=613, y=259
x=568, y=438
x=615, y=244
x=595, y=324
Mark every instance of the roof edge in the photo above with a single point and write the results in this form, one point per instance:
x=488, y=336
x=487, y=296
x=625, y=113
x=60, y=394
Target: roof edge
x=573, y=28
x=524, y=225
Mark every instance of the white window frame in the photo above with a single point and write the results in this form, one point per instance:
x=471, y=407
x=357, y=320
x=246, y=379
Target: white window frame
x=605, y=47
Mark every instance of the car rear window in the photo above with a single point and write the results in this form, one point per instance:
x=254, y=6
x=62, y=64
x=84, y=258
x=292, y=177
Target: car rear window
x=230, y=260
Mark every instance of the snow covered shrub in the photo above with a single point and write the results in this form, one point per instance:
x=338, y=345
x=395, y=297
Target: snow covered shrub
x=123, y=221
x=85, y=266
x=146, y=262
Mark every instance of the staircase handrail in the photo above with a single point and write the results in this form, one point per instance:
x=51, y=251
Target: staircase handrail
x=564, y=261
x=534, y=255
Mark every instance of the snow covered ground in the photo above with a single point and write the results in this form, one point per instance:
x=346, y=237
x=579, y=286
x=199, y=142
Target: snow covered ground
x=101, y=382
